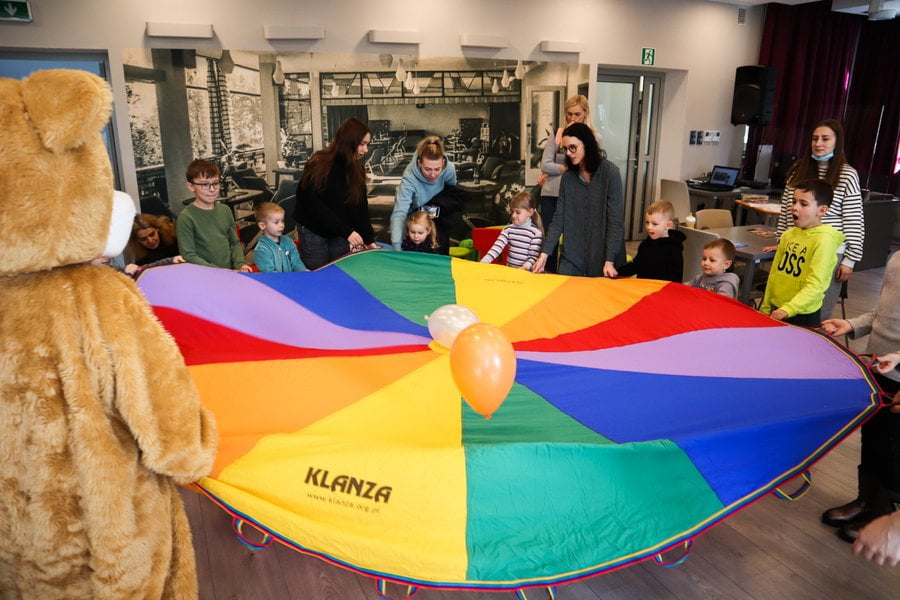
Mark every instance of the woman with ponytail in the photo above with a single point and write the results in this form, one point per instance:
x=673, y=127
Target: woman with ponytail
x=426, y=176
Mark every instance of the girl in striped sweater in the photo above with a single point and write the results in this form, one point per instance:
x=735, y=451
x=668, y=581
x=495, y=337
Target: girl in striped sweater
x=524, y=235
x=826, y=161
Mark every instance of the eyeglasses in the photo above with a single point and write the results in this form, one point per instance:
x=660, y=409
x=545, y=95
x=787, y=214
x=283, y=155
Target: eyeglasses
x=206, y=185
x=571, y=148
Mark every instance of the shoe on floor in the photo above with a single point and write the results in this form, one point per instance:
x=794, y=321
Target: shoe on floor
x=850, y=531
x=846, y=513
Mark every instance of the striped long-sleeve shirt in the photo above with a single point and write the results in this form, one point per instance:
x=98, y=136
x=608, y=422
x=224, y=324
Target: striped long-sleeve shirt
x=845, y=213
x=524, y=245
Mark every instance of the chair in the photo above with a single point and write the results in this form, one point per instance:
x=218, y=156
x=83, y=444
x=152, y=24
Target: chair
x=694, y=241
x=154, y=206
x=714, y=218
x=491, y=168
x=253, y=182
x=286, y=197
x=678, y=194
x=375, y=161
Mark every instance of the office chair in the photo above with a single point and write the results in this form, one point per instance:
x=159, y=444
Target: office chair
x=714, y=218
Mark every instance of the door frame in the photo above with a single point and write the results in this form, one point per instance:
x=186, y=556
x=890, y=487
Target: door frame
x=639, y=176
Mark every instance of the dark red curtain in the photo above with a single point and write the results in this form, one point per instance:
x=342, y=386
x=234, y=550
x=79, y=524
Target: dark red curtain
x=812, y=50
x=874, y=97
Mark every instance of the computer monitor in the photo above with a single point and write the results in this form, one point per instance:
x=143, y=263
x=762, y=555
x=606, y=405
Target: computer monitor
x=725, y=176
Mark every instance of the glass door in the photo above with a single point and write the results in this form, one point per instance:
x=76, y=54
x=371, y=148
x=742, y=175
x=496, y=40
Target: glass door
x=626, y=113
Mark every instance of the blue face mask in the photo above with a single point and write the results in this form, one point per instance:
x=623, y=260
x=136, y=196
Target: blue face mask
x=822, y=158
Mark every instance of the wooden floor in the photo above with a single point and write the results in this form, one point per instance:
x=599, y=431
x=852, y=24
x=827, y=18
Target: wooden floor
x=769, y=551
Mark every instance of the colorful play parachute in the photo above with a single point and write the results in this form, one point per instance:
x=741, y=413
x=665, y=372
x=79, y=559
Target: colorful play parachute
x=642, y=413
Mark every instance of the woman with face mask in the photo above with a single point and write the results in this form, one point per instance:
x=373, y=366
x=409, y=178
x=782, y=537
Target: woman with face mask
x=425, y=177
x=826, y=161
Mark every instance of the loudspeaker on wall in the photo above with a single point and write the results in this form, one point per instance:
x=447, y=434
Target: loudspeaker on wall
x=754, y=92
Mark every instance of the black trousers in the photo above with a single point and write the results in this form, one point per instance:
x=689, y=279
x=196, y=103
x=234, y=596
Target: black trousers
x=880, y=453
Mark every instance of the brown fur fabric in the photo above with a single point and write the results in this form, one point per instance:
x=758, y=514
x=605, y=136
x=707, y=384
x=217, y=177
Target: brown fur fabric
x=98, y=414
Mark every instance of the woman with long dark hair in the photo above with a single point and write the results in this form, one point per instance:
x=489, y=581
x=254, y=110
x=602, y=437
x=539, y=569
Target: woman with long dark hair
x=553, y=162
x=332, y=207
x=826, y=161
x=590, y=210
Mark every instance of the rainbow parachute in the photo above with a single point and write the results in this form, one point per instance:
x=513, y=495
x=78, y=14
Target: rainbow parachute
x=642, y=413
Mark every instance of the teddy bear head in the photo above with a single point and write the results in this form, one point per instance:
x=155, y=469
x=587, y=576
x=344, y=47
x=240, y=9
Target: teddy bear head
x=56, y=187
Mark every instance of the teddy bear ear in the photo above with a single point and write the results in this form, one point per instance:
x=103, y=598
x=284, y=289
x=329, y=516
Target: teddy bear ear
x=66, y=106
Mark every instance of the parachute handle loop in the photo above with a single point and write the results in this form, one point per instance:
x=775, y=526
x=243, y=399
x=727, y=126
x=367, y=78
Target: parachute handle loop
x=686, y=545
x=381, y=590
x=551, y=593
x=237, y=525
x=799, y=493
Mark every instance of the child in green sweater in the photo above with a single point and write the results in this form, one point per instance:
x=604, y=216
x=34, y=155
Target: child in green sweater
x=206, y=234
x=805, y=259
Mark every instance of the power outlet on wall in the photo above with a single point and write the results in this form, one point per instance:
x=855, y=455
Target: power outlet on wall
x=693, y=138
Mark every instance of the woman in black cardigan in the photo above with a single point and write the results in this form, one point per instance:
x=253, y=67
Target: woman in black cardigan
x=332, y=208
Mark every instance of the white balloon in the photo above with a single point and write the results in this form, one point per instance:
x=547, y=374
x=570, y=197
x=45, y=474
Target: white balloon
x=448, y=321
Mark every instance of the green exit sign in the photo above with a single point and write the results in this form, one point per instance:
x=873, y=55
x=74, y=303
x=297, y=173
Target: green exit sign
x=648, y=56
x=15, y=11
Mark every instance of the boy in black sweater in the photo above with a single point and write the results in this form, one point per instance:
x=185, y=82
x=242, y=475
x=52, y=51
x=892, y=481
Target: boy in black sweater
x=660, y=255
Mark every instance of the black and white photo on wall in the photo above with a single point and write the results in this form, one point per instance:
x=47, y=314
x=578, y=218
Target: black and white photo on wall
x=261, y=116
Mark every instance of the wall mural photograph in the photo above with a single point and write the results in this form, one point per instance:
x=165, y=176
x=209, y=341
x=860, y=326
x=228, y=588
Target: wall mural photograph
x=261, y=116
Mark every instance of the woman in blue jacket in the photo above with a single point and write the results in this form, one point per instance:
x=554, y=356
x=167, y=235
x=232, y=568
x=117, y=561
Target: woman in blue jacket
x=424, y=178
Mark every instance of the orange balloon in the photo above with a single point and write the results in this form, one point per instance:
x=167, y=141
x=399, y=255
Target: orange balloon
x=483, y=364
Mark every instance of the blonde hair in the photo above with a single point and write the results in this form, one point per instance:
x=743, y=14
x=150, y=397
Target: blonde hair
x=430, y=147
x=264, y=210
x=582, y=102
x=420, y=217
x=663, y=207
x=526, y=200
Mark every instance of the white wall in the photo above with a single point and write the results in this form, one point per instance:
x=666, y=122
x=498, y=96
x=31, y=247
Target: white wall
x=698, y=45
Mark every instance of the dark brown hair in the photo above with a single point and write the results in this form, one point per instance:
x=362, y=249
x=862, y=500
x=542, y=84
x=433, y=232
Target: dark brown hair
x=201, y=168
x=342, y=151
x=807, y=168
x=820, y=189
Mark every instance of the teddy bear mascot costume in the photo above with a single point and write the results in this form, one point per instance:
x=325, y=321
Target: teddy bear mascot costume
x=99, y=418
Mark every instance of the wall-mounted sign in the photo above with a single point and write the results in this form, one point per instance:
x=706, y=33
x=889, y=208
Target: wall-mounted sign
x=15, y=11
x=648, y=56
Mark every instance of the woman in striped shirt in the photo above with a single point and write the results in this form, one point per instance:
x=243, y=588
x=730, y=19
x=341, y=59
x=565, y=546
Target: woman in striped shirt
x=827, y=161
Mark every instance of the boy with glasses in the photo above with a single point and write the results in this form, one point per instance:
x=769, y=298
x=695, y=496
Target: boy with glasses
x=206, y=234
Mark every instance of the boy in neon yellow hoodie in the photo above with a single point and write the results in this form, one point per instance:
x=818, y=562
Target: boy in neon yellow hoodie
x=805, y=259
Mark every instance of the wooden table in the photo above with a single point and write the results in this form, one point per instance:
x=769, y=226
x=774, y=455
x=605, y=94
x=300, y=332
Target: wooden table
x=749, y=249
x=769, y=209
